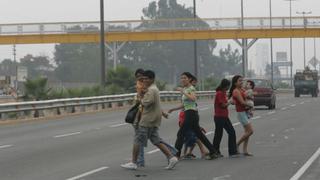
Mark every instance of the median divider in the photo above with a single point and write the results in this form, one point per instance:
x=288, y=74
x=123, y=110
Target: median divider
x=56, y=107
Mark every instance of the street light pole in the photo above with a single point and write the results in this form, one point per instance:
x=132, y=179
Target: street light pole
x=271, y=42
x=304, y=39
x=102, y=45
x=291, y=63
x=195, y=43
x=244, y=45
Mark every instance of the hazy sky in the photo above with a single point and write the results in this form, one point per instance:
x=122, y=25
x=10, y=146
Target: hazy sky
x=21, y=11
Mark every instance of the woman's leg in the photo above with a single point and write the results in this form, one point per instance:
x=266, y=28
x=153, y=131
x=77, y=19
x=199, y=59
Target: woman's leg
x=193, y=117
x=232, y=144
x=218, y=133
x=248, y=132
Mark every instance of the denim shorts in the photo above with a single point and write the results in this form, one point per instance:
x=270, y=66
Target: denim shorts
x=142, y=135
x=243, y=118
x=190, y=138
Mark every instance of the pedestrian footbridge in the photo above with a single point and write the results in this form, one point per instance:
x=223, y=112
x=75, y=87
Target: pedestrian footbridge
x=161, y=30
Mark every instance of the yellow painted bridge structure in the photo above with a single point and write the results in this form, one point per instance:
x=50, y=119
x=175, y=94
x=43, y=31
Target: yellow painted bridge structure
x=161, y=30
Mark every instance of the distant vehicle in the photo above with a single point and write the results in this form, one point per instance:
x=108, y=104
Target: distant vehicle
x=264, y=93
x=306, y=82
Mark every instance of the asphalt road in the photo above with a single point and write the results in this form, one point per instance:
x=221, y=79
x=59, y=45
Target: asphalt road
x=285, y=145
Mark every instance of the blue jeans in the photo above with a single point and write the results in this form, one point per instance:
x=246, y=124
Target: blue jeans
x=140, y=160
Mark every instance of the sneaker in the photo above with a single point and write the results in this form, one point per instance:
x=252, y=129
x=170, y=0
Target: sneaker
x=140, y=165
x=211, y=156
x=172, y=163
x=219, y=155
x=130, y=165
x=247, y=154
x=235, y=155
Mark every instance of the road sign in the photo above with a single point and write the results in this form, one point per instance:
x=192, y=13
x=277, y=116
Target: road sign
x=22, y=73
x=314, y=62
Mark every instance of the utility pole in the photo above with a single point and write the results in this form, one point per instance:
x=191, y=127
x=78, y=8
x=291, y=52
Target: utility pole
x=271, y=42
x=102, y=46
x=304, y=39
x=15, y=83
x=195, y=43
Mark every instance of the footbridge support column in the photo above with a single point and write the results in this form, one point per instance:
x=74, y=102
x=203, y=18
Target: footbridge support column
x=115, y=48
x=245, y=48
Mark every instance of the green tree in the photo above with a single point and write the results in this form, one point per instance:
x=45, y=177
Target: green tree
x=36, y=89
x=37, y=66
x=172, y=57
x=77, y=62
x=121, y=79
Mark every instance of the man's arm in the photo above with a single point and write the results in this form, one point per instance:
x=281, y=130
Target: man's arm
x=148, y=98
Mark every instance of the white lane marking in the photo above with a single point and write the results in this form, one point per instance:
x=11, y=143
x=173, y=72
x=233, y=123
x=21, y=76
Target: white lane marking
x=222, y=177
x=118, y=125
x=210, y=132
x=153, y=151
x=236, y=124
x=303, y=169
x=272, y=112
x=88, y=173
x=202, y=109
x=256, y=117
x=302, y=103
x=5, y=146
x=69, y=134
x=284, y=108
x=293, y=105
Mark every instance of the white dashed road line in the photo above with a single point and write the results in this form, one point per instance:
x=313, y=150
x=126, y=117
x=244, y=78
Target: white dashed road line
x=236, y=124
x=118, y=125
x=284, y=108
x=5, y=146
x=66, y=135
x=202, y=109
x=293, y=105
x=304, y=168
x=256, y=117
x=88, y=173
x=302, y=103
x=272, y=112
x=153, y=151
x=210, y=132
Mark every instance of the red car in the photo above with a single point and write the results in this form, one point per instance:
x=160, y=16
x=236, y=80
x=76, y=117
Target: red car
x=264, y=93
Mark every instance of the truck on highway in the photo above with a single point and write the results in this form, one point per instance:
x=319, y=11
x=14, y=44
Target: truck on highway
x=306, y=82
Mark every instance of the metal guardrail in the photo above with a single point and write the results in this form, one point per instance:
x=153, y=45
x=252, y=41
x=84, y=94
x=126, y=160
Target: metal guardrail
x=34, y=109
x=160, y=25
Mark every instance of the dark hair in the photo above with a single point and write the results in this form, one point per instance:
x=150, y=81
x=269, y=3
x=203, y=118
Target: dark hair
x=138, y=71
x=251, y=83
x=233, y=84
x=189, y=75
x=194, y=78
x=150, y=74
x=224, y=84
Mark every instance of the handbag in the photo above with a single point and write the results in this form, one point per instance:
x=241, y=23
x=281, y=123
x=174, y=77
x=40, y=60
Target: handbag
x=132, y=113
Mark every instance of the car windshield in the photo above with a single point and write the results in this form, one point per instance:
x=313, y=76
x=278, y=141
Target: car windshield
x=261, y=83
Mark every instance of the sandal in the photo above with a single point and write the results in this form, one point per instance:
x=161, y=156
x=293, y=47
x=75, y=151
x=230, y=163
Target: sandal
x=247, y=154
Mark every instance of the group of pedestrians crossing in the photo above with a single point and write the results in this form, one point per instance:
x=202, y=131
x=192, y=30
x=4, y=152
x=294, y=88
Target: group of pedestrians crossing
x=148, y=119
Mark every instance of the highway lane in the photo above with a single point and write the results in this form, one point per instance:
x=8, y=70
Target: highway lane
x=93, y=146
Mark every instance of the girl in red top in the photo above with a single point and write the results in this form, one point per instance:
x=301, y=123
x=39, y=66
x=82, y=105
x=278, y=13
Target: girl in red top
x=238, y=96
x=222, y=121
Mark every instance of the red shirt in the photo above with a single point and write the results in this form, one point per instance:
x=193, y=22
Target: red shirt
x=239, y=106
x=219, y=111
